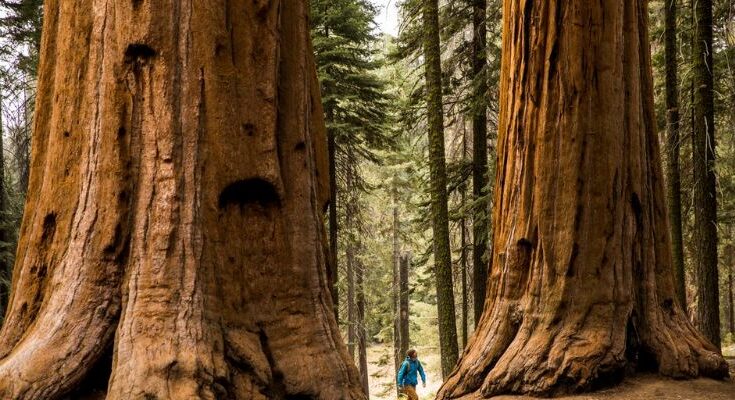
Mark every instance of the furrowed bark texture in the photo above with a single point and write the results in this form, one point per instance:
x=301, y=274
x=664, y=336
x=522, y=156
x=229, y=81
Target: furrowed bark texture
x=581, y=288
x=439, y=208
x=351, y=313
x=480, y=219
x=705, y=180
x=174, y=211
x=333, y=264
x=673, y=175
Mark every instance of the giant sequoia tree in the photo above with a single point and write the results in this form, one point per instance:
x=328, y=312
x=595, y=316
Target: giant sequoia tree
x=173, y=244
x=581, y=287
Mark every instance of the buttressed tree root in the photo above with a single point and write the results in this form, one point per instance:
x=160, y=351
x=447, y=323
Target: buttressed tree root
x=580, y=289
x=172, y=246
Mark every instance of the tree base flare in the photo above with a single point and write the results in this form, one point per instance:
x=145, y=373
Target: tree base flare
x=547, y=360
x=580, y=291
x=172, y=245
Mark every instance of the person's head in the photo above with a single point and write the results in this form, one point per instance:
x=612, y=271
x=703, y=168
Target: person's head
x=412, y=354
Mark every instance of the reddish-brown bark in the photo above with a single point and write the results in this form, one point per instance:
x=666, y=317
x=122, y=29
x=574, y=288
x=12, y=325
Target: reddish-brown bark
x=581, y=289
x=174, y=212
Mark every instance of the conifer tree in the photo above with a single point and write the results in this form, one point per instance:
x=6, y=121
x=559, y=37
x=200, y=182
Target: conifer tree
x=353, y=98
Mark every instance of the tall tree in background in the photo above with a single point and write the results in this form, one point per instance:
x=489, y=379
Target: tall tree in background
x=20, y=25
x=397, y=353
x=705, y=191
x=729, y=282
x=464, y=318
x=333, y=265
x=361, y=331
x=404, y=304
x=439, y=198
x=7, y=242
x=480, y=220
x=177, y=186
x=581, y=287
x=351, y=305
x=353, y=96
x=673, y=180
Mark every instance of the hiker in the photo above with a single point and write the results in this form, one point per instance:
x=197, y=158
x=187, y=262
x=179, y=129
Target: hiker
x=407, y=379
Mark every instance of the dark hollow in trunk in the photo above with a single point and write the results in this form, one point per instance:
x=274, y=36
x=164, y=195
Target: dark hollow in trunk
x=175, y=204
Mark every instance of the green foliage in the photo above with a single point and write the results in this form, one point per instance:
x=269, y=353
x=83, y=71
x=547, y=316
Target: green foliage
x=353, y=95
x=724, y=74
x=20, y=33
x=357, y=107
x=20, y=26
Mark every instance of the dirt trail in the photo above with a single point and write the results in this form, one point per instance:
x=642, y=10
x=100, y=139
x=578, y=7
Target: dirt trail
x=653, y=387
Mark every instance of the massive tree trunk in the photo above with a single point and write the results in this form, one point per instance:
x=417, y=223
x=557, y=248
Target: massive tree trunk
x=705, y=190
x=480, y=221
x=439, y=197
x=581, y=288
x=173, y=216
x=673, y=181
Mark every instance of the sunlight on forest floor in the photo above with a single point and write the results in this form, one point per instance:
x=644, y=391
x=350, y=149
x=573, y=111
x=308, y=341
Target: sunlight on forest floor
x=383, y=379
x=729, y=351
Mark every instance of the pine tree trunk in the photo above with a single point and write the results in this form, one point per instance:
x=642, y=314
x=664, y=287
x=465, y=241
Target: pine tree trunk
x=730, y=301
x=6, y=235
x=463, y=270
x=351, y=211
x=730, y=306
x=673, y=180
x=705, y=191
x=397, y=354
x=351, y=317
x=581, y=288
x=22, y=152
x=333, y=224
x=439, y=197
x=178, y=180
x=362, y=332
x=463, y=244
x=404, y=305
x=480, y=220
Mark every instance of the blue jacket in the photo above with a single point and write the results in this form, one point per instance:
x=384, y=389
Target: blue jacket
x=407, y=373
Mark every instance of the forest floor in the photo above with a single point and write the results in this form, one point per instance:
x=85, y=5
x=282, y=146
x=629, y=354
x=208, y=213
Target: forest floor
x=383, y=380
x=645, y=387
